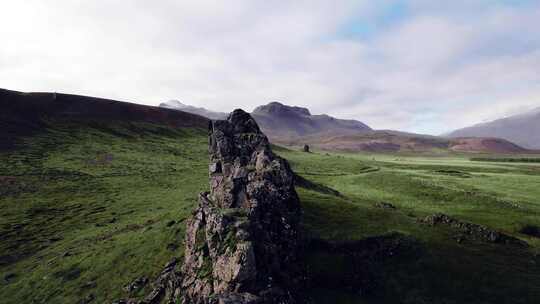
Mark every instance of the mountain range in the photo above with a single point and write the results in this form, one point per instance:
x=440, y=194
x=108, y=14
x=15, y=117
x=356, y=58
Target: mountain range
x=282, y=122
x=293, y=126
x=26, y=113
x=522, y=129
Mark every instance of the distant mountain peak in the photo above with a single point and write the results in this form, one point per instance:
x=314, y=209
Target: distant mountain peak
x=175, y=103
x=178, y=105
x=278, y=108
x=284, y=122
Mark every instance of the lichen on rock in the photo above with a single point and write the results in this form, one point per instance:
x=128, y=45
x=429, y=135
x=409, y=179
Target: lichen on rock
x=242, y=242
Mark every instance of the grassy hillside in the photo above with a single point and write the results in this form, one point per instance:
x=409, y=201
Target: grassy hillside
x=88, y=208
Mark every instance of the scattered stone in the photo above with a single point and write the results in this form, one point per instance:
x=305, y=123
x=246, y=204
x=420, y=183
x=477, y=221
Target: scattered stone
x=166, y=286
x=9, y=277
x=136, y=285
x=126, y=301
x=17, y=226
x=472, y=231
x=172, y=246
x=154, y=297
x=89, y=285
x=459, y=238
x=385, y=205
x=89, y=298
x=306, y=148
x=171, y=264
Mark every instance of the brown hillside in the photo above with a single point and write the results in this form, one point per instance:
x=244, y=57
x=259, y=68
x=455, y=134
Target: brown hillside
x=25, y=113
x=394, y=141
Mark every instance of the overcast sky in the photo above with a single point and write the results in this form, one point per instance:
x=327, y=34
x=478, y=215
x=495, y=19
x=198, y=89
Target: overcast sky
x=421, y=65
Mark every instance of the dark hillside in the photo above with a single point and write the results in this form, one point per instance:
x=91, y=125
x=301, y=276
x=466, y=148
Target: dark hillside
x=26, y=113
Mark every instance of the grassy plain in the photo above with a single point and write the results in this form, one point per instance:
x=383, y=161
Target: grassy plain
x=501, y=196
x=86, y=209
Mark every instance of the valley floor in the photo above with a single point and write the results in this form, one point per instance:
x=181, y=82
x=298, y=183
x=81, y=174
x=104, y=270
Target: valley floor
x=385, y=199
x=86, y=210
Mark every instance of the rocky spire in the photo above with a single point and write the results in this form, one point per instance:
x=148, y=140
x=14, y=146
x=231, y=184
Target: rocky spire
x=242, y=243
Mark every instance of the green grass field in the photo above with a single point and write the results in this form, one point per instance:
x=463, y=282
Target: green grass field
x=501, y=196
x=86, y=209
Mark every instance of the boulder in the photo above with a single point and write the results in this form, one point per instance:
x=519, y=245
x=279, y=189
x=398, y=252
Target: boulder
x=136, y=285
x=385, y=205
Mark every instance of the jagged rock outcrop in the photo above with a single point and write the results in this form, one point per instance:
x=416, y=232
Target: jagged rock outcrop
x=472, y=231
x=242, y=243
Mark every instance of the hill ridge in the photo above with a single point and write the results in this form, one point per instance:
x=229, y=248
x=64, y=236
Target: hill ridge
x=523, y=129
x=24, y=113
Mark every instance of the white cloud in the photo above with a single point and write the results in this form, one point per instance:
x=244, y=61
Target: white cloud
x=435, y=70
